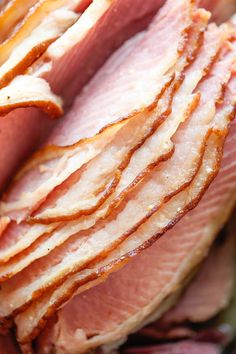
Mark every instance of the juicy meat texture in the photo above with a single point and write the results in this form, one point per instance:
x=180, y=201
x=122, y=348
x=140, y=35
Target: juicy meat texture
x=133, y=179
x=76, y=253
x=216, y=79
x=210, y=291
x=57, y=239
x=92, y=27
x=79, y=240
x=154, y=278
x=91, y=92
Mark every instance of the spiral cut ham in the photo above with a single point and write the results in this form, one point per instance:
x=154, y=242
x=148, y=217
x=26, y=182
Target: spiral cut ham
x=76, y=55
x=213, y=37
x=157, y=280
x=133, y=156
x=85, y=247
x=122, y=63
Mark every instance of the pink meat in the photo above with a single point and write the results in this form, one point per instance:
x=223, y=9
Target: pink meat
x=103, y=308
x=210, y=291
x=24, y=129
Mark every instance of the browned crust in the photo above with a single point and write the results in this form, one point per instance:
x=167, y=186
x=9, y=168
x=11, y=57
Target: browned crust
x=47, y=106
x=27, y=61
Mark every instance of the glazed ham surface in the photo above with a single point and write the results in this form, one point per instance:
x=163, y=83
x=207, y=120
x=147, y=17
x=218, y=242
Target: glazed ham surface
x=118, y=177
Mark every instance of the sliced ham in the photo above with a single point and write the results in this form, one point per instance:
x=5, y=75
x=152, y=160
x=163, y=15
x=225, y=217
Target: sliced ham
x=162, y=276
x=156, y=164
x=213, y=38
x=73, y=254
x=210, y=291
x=42, y=308
x=119, y=74
x=94, y=83
x=82, y=249
x=139, y=135
x=89, y=50
x=46, y=21
x=36, y=93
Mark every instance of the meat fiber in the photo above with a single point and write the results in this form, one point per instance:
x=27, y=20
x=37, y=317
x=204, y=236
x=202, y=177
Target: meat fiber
x=162, y=276
x=162, y=67
x=94, y=38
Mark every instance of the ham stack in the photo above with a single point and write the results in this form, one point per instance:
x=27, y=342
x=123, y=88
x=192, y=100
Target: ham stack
x=105, y=224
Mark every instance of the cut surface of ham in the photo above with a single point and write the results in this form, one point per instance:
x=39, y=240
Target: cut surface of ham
x=36, y=93
x=221, y=71
x=195, y=234
x=58, y=238
x=110, y=219
x=89, y=51
x=128, y=149
x=80, y=250
x=206, y=169
x=211, y=289
x=161, y=68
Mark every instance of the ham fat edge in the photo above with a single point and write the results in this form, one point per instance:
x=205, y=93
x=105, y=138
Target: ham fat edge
x=113, y=178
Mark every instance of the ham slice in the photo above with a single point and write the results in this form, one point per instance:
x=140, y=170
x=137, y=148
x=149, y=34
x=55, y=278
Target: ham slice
x=94, y=38
x=207, y=171
x=9, y=17
x=214, y=39
x=36, y=93
x=162, y=66
x=126, y=149
x=80, y=250
x=37, y=31
x=164, y=275
x=134, y=208
x=196, y=240
x=122, y=64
